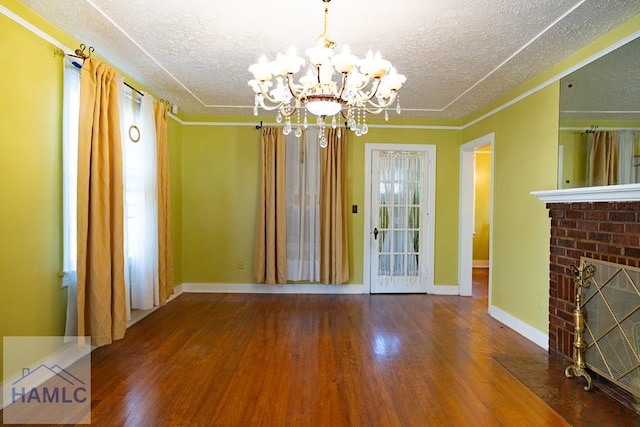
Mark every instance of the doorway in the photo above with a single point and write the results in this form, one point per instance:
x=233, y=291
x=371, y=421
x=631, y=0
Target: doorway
x=399, y=225
x=471, y=227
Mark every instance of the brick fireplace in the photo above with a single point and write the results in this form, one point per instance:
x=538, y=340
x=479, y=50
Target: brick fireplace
x=607, y=231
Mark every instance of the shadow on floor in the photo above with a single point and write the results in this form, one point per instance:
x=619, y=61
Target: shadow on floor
x=544, y=376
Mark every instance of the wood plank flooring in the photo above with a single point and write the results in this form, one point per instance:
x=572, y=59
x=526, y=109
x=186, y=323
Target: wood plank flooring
x=290, y=360
x=316, y=360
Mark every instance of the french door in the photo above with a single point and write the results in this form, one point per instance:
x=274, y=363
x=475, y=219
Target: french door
x=400, y=218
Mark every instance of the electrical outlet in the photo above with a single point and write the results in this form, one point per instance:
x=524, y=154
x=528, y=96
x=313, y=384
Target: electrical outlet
x=240, y=265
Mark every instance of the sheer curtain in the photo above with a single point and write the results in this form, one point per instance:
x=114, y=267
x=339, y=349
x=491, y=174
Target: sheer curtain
x=303, y=206
x=141, y=198
x=71, y=112
x=626, y=171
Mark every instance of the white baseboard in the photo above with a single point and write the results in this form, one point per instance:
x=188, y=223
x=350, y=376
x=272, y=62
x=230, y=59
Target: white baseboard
x=138, y=315
x=310, y=289
x=527, y=331
x=480, y=263
x=445, y=290
x=66, y=355
x=62, y=357
x=246, y=288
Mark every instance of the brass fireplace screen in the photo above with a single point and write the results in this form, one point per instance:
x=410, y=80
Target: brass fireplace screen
x=611, y=303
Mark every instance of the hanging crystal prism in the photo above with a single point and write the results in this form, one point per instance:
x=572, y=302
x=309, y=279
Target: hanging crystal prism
x=386, y=115
x=298, y=132
x=287, y=127
x=322, y=140
x=334, y=122
x=279, y=117
x=364, y=128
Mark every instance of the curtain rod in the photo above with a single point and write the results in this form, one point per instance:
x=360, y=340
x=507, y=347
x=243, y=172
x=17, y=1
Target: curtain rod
x=133, y=88
x=81, y=54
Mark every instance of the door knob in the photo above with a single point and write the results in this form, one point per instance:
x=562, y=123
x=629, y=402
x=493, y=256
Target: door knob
x=375, y=234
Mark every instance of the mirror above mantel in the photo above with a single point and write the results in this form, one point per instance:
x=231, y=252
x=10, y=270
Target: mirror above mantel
x=599, y=136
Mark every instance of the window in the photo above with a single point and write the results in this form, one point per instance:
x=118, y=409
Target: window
x=141, y=198
x=303, y=206
x=71, y=112
x=140, y=188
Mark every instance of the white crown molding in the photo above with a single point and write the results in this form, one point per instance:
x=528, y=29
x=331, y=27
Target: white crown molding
x=605, y=193
x=18, y=19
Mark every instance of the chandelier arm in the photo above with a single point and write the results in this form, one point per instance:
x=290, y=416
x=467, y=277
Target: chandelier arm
x=268, y=107
x=374, y=90
x=344, y=84
x=265, y=95
x=296, y=94
x=378, y=110
x=284, y=112
x=381, y=106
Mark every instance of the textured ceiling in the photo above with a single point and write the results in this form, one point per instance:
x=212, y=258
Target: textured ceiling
x=606, y=89
x=458, y=55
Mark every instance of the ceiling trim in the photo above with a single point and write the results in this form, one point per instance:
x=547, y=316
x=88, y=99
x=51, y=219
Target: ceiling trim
x=582, y=128
x=198, y=123
x=456, y=99
x=557, y=77
x=182, y=85
x=599, y=112
x=516, y=53
x=35, y=30
x=40, y=33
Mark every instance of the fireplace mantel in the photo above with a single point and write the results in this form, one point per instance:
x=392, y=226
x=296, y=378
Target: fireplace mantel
x=606, y=193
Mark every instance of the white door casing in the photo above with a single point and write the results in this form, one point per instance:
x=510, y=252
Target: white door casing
x=467, y=210
x=399, y=205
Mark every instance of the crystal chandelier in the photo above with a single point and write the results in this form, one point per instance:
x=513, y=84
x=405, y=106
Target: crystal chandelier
x=362, y=86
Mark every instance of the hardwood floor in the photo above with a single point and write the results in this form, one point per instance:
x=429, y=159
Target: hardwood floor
x=317, y=360
x=271, y=360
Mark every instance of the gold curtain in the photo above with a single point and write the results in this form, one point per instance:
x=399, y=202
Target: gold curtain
x=603, y=159
x=165, y=254
x=101, y=290
x=334, y=249
x=270, y=249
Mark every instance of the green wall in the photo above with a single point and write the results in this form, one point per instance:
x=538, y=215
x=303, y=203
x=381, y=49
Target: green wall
x=214, y=171
x=221, y=166
x=32, y=301
x=574, y=158
x=574, y=144
x=525, y=160
x=174, y=136
x=482, y=218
